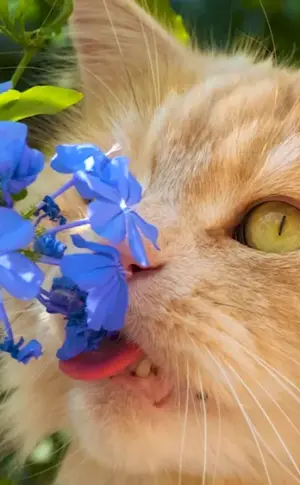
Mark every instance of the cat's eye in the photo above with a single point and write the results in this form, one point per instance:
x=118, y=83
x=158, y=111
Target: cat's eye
x=273, y=227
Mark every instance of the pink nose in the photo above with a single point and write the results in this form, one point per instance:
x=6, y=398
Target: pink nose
x=132, y=267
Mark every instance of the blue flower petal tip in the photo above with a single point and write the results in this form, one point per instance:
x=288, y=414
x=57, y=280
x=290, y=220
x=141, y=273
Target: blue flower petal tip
x=6, y=86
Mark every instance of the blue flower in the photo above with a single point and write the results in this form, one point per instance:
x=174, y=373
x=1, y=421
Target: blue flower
x=22, y=353
x=66, y=297
x=6, y=87
x=48, y=245
x=103, y=277
x=111, y=214
x=19, y=164
x=78, y=159
x=19, y=276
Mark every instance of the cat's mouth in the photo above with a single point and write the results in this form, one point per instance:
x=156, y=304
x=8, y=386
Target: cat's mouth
x=126, y=365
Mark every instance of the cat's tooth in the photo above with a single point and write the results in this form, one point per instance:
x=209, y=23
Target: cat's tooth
x=144, y=368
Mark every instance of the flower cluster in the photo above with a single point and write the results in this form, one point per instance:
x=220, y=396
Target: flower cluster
x=91, y=291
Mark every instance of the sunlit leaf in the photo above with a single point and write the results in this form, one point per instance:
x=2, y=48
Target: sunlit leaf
x=39, y=100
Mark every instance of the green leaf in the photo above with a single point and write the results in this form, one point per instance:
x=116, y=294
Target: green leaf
x=20, y=196
x=39, y=100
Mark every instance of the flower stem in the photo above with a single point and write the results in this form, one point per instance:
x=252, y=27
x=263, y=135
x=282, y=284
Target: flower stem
x=48, y=260
x=63, y=188
x=7, y=327
x=65, y=227
x=58, y=192
x=26, y=58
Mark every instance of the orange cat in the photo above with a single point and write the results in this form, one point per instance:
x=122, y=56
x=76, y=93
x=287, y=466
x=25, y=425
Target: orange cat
x=215, y=142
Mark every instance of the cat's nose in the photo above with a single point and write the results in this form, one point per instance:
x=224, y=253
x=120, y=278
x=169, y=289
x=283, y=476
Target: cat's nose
x=132, y=267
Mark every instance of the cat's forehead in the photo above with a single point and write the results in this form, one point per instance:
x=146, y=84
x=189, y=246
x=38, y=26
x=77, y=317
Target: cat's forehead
x=235, y=141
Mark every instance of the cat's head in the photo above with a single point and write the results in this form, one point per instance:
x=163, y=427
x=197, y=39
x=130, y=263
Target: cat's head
x=214, y=142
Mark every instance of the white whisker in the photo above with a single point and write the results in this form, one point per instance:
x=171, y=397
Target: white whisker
x=266, y=416
x=219, y=439
x=244, y=413
x=184, y=425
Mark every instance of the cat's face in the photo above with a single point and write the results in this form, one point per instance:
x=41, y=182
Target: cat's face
x=218, y=320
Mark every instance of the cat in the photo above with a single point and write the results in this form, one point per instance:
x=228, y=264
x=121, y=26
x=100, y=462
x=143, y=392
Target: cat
x=215, y=142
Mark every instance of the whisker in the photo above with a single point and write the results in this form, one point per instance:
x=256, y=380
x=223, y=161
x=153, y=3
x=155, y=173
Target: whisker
x=109, y=90
x=243, y=411
x=150, y=62
x=277, y=405
x=205, y=437
x=121, y=54
x=219, y=439
x=184, y=425
x=274, y=373
x=270, y=29
x=266, y=416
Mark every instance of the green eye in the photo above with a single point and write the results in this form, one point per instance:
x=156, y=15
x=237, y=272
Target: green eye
x=273, y=227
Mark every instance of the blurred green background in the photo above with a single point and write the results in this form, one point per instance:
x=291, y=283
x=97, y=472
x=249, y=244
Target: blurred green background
x=270, y=25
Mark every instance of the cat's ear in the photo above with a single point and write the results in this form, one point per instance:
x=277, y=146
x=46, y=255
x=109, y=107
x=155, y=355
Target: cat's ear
x=120, y=46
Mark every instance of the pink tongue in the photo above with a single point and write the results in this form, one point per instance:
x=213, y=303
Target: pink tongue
x=111, y=359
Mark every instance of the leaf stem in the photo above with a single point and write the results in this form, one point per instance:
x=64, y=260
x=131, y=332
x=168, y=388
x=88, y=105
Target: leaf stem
x=26, y=58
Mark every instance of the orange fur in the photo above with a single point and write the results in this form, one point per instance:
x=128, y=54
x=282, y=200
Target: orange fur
x=208, y=136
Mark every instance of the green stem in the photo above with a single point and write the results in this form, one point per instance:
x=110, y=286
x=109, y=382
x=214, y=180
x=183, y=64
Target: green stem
x=26, y=58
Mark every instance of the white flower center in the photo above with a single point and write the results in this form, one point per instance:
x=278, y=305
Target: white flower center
x=123, y=204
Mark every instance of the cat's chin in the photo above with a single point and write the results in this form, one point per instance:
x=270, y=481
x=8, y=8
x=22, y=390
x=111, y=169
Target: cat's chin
x=120, y=428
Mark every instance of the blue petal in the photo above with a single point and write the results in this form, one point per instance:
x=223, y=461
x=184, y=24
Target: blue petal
x=136, y=244
x=15, y=232
x=88, y=270
x=20, y=276
x=107, y=306
x=98, y=188
x=32, y=163
x=82, y=243
x=108, y=221
x=74, y=344
x=6, y=86
x=72, y=158
x=116, y=173
x=12, y=142
x=135, y=191
x=148, y=230
x=83, y=189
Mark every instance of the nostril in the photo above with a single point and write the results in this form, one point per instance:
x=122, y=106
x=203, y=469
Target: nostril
x=134, y=268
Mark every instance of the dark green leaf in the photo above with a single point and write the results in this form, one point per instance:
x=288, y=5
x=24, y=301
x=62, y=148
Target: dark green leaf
x=20, y=196
x=59, y=12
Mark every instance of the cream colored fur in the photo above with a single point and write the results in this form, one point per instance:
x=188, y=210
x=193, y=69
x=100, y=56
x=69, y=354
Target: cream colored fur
x=208, y=136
